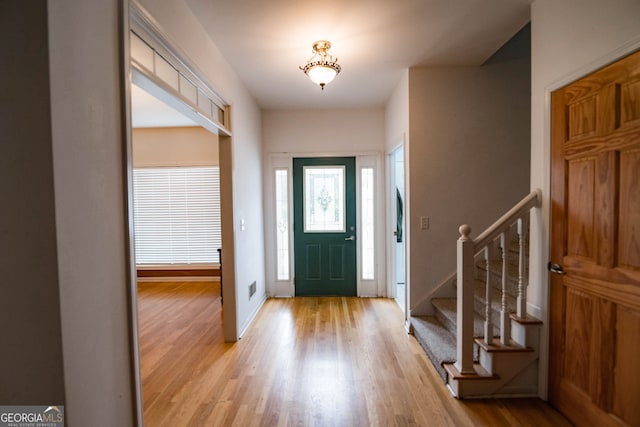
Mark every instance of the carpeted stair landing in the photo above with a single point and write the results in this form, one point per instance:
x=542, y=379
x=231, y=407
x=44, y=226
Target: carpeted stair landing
x=437, y=334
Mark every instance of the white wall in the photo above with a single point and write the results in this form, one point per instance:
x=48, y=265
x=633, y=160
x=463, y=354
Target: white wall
x=570, y=39
x=599, y=32
x=348, y=132
x=174, y=146
x=397, y=114
x=184, y=30
x=469, y=160
x=91, y=222
x=324, y=131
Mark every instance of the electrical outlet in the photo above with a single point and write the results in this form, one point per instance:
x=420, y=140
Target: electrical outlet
x=424, y=222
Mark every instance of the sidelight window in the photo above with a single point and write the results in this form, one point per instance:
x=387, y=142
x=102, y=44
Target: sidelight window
x=282, y=224
x=367, y=228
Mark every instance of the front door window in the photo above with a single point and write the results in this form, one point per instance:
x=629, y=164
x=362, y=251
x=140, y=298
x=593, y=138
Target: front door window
x=324, y=199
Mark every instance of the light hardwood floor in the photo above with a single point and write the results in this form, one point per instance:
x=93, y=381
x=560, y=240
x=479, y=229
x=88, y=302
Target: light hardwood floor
x=303, y=362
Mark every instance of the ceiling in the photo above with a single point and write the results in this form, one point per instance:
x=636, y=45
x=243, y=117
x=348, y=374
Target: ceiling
x=374, y=40
x=147, y=111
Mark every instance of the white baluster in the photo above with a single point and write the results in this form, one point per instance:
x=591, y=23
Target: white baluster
x=505, y=323
x=488, y=325
x=523, y=227
x=464, y=349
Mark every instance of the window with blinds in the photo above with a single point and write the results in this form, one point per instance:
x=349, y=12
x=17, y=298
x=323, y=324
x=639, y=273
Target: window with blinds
x=177, y=215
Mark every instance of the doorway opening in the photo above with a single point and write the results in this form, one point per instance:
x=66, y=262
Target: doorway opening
x=177, y=234
x=397, y=215
x=176, y=192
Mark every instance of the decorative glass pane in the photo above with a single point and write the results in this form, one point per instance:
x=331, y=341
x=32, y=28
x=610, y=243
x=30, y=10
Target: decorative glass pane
x=282, y=225
x=324, y=199
x=367, y=231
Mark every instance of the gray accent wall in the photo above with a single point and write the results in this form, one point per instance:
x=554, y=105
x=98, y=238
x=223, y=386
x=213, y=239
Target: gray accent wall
x=469, y=156
x=31, y=366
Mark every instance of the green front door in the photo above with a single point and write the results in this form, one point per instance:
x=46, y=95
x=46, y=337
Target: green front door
x=324, y=198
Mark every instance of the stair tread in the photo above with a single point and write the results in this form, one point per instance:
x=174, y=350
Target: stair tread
x=496, y=347
x=448, y=308
x=480, y=374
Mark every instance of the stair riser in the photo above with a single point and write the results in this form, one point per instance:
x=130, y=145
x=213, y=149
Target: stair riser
x=506, y=365
x=525, y=335
x=446, y=321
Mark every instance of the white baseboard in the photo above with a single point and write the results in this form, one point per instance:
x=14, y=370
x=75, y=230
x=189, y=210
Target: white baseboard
x=179, y=279
x=252, y=316
x=281, y=290
x=534, y=310
x=368, y=289
x=444, y=290
x=408, y=327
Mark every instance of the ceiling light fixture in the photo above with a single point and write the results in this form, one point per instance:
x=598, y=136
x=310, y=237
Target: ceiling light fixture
x=321, y=68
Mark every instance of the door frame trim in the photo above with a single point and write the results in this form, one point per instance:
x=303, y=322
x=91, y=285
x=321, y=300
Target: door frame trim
x=286, y=288
x=390, y=210
x=540, y=226
x=134, y=15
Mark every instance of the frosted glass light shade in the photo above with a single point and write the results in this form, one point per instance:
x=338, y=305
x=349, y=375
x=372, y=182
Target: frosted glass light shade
x=321, y=68
x=321, y=75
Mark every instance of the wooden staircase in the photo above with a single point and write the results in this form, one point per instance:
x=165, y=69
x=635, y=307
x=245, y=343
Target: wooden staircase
x=482, y=342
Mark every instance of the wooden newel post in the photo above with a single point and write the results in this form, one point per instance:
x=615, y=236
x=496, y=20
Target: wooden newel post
x=464, y=362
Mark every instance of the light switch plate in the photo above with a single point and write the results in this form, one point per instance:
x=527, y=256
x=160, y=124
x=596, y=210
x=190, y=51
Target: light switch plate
x=424, y=222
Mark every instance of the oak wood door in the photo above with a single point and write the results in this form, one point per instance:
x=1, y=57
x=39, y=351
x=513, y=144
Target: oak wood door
x=594, y=376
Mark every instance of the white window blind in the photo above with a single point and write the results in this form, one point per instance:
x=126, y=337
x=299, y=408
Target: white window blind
x=177, y=215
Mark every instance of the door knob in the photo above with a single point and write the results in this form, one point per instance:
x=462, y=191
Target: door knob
x=555, y=268
x=350, y=238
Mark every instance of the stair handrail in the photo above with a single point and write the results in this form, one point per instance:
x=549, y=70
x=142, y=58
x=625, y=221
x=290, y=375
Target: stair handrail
x=467, y=248
x=531, y=200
